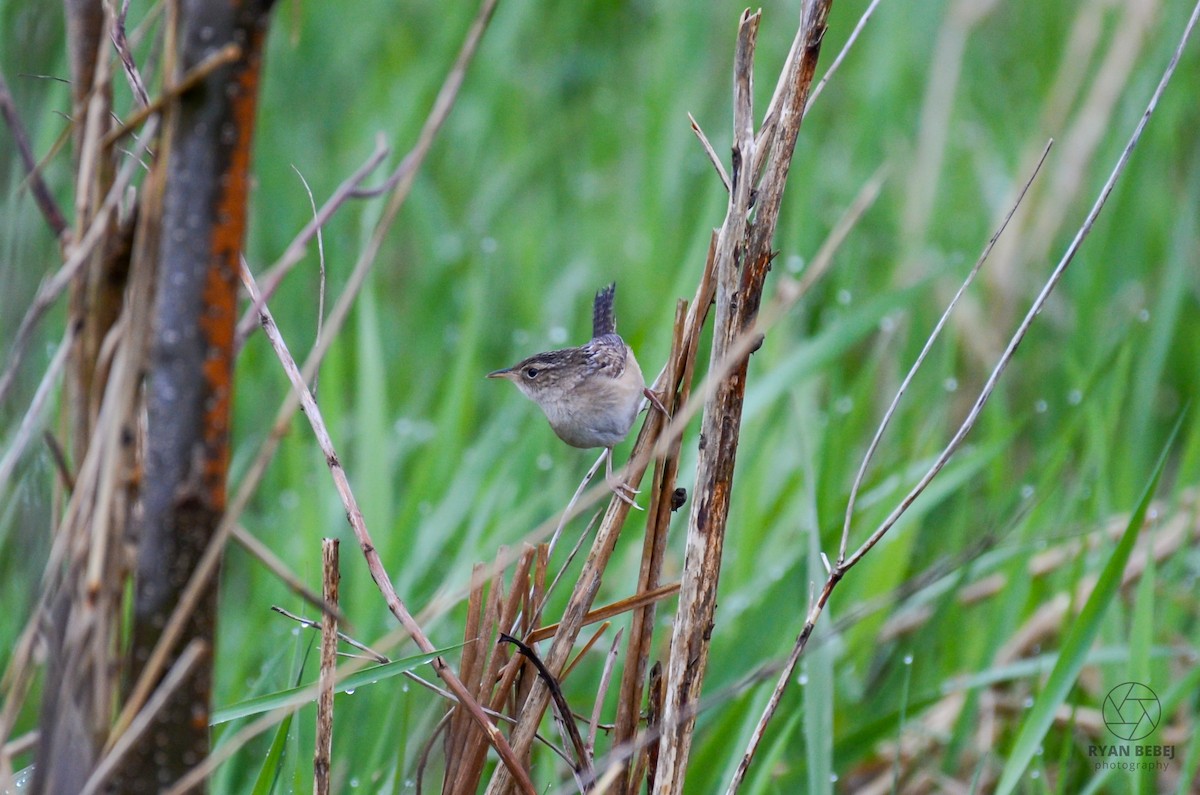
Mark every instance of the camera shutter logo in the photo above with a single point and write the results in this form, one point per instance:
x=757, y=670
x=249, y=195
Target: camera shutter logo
x=1131, y=711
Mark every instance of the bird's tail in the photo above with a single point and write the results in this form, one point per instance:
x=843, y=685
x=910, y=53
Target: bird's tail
x=604, y=321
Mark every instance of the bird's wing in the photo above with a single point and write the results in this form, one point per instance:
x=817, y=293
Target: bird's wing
x=606, y=354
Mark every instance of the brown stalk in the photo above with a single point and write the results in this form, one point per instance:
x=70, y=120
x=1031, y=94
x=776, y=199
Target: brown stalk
x=323, y=751
x=374, y=563
x=470, y=669
x=470, y=764
x=719, y=435
x=639, y=601
x=654, y=545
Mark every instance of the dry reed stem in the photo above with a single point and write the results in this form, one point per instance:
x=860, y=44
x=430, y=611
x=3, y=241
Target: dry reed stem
x=719, y=434
x=78, y=255
x=374, y=564
x=840, y=569
x=323, y=745
x=639, y=601
x=605, y=675
x=469, y=766
x=264, y=555
x=470, y=667
x=654, y=544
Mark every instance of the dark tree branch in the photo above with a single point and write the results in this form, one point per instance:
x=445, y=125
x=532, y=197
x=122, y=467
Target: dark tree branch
x=206, y=159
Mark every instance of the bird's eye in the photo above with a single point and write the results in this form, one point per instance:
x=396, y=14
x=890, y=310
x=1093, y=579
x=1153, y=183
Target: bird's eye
x=531, y=372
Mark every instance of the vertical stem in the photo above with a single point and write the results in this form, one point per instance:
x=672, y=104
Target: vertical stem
x=329, y=642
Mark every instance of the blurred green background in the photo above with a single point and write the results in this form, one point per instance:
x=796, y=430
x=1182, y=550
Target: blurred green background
x=567, y=163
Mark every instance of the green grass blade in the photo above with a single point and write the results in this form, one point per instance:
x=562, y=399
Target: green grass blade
x=304, y=693
x=268, y=774
x=1080, y=638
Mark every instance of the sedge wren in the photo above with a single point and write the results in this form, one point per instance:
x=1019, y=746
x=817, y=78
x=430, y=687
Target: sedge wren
x=590, y=394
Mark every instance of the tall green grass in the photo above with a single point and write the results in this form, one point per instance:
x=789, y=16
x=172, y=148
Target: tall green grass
x=568, y=163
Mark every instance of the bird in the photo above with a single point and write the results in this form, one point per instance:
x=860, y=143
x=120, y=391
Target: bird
x=590, y=394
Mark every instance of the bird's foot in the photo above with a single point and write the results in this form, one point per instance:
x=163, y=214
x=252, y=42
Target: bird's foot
x=624, y=492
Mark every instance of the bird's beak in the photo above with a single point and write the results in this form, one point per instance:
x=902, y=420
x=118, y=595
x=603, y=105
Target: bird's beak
x=505, y=373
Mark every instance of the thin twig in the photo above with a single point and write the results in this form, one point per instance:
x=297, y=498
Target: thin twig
x=196, y=75
x=37, y=185
x=833, y=67
x=1038, y=303
x=541, y=607
x=296, y=249
x=839, y=570
x=374, y=563
x=53, y=287
x=120, y=41
x=427, y=750
x=320, y=269
x=937, y=329
x=33, y=415
x=708, y=150
x=308, y=623
x=571, y=503
x=601, y=690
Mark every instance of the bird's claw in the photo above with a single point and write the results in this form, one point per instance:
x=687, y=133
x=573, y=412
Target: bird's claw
x=624, y=493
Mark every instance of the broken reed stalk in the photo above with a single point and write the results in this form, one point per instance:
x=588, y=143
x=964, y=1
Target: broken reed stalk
x=743, y=256
x=658, y=522
x=495, y=682
x=328, y=673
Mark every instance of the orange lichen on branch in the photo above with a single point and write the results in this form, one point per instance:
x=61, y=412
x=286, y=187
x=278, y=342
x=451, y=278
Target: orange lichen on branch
x=219, y=319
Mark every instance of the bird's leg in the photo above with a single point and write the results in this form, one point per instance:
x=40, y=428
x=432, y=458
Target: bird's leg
x=654, y=401
x=623, y=491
